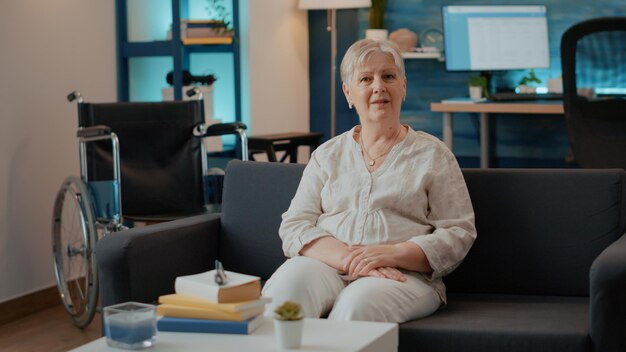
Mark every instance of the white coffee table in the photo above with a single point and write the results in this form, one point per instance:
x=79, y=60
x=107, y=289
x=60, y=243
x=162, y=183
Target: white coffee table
x=318, y=335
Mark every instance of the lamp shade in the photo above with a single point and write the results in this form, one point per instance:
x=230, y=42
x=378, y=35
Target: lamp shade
x=332, y=4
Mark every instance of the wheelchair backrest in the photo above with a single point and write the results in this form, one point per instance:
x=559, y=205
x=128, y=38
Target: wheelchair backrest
x=161, y=160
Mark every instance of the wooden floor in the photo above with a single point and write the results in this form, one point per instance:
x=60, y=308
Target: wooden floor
x=49, y=330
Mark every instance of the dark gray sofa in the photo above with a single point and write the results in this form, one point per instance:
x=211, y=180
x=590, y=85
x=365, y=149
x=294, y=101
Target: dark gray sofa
x=547, y=272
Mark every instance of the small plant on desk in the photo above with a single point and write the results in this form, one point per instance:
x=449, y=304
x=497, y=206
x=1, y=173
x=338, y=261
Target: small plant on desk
x=478, y=86
x=525, y=84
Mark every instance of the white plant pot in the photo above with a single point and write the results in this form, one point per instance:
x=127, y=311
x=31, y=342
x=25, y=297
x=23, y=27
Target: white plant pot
x=289, y=333
x=376, y=34
x=475, y=92
x=522, y=88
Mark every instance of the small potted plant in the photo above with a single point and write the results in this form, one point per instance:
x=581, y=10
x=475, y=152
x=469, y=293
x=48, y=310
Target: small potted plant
x=478, y=87
x=377, y=21
x=288, y=324
x=218, y=12
x=525, y=84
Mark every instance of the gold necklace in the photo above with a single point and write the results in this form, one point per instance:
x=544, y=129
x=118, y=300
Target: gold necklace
x=372, y=161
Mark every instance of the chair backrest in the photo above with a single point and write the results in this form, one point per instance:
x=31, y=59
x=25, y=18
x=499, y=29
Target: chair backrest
x=538, y=230
x=256, y=194
x=161, y=160
x=593, y=58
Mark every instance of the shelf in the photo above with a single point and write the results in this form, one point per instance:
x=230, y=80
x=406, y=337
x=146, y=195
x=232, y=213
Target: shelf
x=416, y=55
x=178, y=49
x=156, y=48
x=208, y=48
x=166, y=48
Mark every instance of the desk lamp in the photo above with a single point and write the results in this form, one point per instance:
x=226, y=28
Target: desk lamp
x=331, y=6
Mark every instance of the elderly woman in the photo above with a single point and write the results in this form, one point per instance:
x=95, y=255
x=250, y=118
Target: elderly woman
x=382, y=212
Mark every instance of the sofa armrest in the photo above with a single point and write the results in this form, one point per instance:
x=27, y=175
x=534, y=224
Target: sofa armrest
x=607, y=293
x=140, y=264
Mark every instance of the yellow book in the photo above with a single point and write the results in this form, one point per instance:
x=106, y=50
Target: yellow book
x=172, y=310
x=208, y=40
x=197, y=302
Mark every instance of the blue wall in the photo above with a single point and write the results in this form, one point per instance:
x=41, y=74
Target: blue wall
x=516, y=141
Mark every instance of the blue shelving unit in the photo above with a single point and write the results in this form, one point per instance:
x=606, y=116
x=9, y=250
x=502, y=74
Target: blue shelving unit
x=174, y=49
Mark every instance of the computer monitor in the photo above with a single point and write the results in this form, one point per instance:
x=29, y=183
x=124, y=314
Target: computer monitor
x=495, y=37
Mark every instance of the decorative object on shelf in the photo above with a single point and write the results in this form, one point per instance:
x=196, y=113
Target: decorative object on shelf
x=432, y=37
x=555, y=85
x=526, y=84
x=217, y=12
x=332, y=6
x=205, y=29
x=189, y=79
x=376, y=28
x=288, y=324
x=478, y=86
x=404, y=38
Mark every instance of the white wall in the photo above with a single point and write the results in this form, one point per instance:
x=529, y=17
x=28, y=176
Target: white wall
x=47, y=49
x=276, y=49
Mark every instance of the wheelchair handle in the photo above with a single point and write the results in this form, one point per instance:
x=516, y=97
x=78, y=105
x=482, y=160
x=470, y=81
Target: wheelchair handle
x=75, y=95
x=193, y=91
x=93, y=131
x=218, y=129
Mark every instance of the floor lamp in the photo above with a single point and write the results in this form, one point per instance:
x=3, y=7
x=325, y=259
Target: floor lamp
x=331, y=6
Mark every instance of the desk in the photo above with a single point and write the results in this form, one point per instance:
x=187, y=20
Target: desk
x=484, y=109
x=288, y=142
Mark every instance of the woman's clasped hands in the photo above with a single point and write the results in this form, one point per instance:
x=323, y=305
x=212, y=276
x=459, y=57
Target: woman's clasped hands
x=373, y=260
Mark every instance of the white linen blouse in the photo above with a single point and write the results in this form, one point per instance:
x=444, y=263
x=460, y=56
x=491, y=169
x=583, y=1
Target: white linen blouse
x=418, y=194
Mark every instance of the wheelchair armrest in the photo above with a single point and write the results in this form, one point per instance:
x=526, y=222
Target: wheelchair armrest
x=220, y=129
x=607, y=292
x=141, y=264
x=93, y=131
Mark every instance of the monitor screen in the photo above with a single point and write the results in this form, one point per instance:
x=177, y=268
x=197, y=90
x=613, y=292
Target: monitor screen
x=489, y=38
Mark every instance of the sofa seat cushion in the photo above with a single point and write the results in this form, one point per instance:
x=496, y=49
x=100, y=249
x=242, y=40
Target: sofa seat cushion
x=479, y=322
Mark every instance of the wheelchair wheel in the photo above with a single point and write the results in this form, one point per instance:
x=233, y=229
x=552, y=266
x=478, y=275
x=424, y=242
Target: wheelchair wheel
x=74, y=238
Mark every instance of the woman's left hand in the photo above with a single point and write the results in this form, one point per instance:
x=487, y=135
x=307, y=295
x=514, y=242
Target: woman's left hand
x=362, y=259
x=386, y=272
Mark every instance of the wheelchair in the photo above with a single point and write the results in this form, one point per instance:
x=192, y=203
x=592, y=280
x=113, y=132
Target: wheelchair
x=91, y=206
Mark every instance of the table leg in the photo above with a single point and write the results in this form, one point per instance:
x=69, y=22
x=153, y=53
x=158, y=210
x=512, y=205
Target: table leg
x=484, y=140
x=447, y=129
x=293, y=154
x=271, y=153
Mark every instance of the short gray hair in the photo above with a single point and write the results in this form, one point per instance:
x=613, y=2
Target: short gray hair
x=362, y=50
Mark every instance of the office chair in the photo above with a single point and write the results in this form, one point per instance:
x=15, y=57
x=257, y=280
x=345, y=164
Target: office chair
x=593, y=58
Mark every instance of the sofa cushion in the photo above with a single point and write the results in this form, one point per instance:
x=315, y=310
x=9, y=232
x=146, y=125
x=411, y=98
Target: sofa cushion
x=501, y=323
x=539, y=230
x=255, y=196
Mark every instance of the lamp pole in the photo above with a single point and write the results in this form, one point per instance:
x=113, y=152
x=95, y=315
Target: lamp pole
x=333, y=68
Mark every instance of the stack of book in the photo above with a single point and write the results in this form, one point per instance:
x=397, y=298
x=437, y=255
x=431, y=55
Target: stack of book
x=201, y=305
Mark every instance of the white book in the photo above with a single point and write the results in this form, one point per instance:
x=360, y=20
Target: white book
x=238, y=287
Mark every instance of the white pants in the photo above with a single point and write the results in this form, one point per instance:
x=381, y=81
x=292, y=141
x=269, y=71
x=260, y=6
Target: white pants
x=320, y=290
